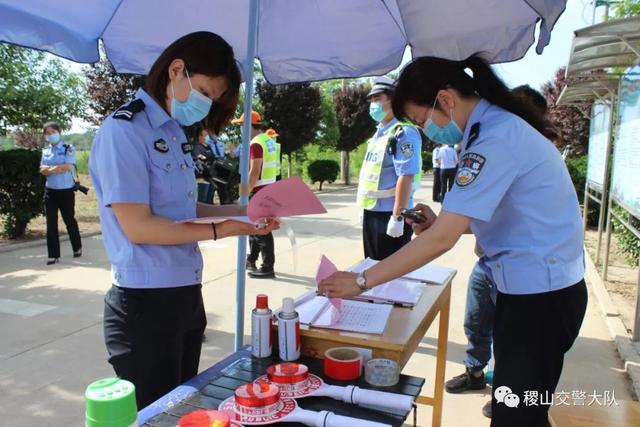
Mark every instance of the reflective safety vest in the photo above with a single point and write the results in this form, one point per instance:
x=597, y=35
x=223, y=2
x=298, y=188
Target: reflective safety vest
x=279, y=157
x=368, y=192
x=270, y=159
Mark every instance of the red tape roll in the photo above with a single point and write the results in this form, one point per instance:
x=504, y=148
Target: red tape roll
x=342, y=363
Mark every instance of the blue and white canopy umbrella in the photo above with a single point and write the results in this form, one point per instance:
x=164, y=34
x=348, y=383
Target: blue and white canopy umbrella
x=295, y=40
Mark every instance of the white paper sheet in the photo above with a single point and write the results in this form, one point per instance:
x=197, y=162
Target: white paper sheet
x=354, y=316
x=433, y=274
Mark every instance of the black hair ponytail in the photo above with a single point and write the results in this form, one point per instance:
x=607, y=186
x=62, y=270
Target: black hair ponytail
x=421, y=80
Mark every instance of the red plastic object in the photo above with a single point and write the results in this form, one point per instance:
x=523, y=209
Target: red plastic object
x=262, y=301
x=203, y=418
x=288, y=373
x=257, y=395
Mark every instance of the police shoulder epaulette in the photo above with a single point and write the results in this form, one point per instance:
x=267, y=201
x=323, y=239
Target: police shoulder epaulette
x=128, y=111
x=474, y=133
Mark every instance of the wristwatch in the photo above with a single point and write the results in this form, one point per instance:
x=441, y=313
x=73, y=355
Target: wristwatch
x=361, y=281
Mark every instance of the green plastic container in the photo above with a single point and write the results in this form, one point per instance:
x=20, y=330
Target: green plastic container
x=111, y=402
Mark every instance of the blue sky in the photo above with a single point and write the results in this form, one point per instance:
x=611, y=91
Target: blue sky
x=535, y=69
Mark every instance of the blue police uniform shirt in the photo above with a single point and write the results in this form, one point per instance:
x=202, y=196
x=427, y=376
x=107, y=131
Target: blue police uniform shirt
x=405, y=162
x=515, y=187
x=59, y=154
x=145, y=159
x=217, y=146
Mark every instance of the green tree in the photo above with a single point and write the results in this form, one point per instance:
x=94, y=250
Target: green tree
x=109, y=90
x=626, y=8
x=36, y=88
x=354, y=123
x=294, y=110
x=571, y=122
x=21, y=190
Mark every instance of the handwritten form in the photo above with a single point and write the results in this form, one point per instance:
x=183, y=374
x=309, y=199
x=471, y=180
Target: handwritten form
x=354, y=316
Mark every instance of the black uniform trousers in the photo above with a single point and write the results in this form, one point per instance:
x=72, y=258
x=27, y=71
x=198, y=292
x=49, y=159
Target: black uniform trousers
x=154, y=337
x=447, y=177
x=435, y=196
x=264, y=245
x=531, y=334
x=377, y=244
x=63, y=200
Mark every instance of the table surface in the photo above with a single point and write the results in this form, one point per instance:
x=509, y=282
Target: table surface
x=404, y=331
x=211, y=387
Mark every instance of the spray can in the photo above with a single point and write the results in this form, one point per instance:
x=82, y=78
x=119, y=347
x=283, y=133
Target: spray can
x=261, y=327
x=289, y=331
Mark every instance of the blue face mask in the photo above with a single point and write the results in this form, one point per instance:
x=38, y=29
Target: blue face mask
x=194, y=109
x=54, y=138
x=450, y=134
x=376, y=111
x=207, y=139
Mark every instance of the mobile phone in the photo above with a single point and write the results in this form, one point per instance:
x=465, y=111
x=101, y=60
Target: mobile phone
x=414, y=215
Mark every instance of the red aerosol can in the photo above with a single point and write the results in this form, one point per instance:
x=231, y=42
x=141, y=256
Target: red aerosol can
x=261, y=328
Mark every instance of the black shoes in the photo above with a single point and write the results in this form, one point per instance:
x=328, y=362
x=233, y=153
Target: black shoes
x=486, y=409
x=77, y=254
x=251, y=265
x=262, y=273
x=52, y=261
x=464, y=382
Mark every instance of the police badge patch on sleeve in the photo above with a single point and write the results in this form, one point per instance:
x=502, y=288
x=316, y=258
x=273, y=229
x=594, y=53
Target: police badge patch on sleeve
x=470, y=167
x=407, y=149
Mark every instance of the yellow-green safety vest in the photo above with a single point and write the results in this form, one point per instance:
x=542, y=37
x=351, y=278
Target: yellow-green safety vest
x=270, y=159
x=368, y=192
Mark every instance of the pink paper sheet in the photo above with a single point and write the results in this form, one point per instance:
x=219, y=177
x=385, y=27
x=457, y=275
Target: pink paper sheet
x=289, y=197
x=326, y=269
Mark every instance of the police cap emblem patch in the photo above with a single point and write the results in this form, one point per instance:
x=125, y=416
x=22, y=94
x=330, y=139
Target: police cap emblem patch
x=161, y=146
x=470, y=167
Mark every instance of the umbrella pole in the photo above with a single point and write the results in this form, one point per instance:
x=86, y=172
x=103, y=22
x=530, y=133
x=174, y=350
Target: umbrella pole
x=244, y=169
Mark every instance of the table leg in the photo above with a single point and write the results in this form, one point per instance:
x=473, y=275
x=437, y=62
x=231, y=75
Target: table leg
x=441, y=360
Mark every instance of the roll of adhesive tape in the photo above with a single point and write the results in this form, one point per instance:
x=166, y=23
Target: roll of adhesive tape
x=382, y=372
x=343, y=363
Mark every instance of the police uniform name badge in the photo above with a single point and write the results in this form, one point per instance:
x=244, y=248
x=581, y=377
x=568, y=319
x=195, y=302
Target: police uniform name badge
x=470, y=167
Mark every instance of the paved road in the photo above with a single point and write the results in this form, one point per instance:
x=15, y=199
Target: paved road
x=51, y=342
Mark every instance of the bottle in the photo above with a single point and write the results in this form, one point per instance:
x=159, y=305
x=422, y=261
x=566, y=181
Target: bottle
x=111, y=402
x=261, y=327
x=289, y=331
x=488, y=376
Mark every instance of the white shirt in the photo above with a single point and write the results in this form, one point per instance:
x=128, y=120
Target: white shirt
x=448, y=157
x=434, y=157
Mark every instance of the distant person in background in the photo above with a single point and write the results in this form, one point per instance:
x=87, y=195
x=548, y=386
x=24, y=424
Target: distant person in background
x=264, y=167
x=435, y=196
x=271, y=133
x=203, y=156
x=218, y=149
x=58, y=165
x=448, y=159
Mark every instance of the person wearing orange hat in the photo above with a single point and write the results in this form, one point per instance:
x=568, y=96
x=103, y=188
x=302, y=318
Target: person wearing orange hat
x=264, y=167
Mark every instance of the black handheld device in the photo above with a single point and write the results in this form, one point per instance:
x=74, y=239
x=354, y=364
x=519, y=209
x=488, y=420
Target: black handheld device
x=414, y=215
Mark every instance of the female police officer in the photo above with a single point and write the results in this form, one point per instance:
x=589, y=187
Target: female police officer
x=142, y=169
x=58, y=165
x=514, y=193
